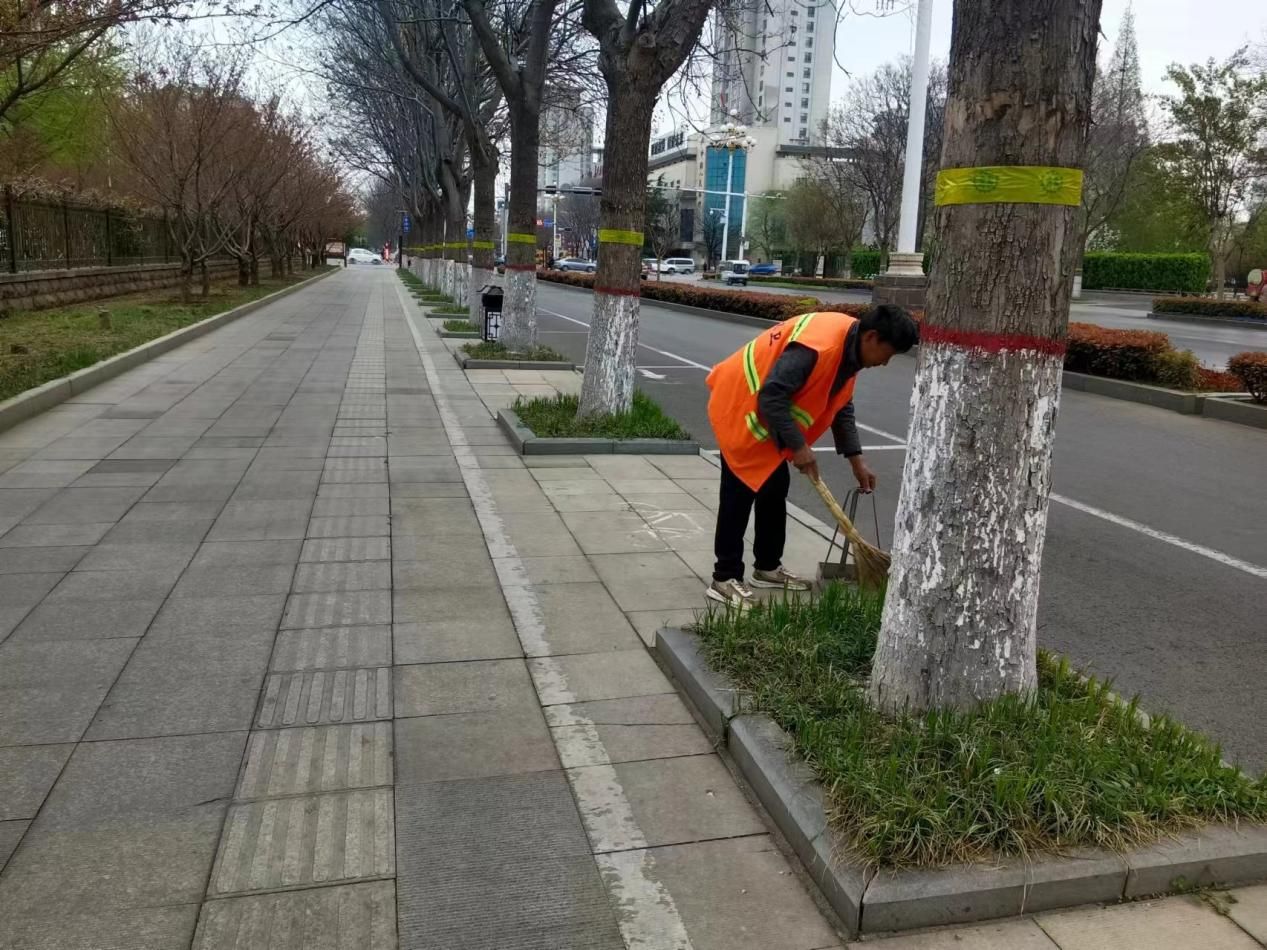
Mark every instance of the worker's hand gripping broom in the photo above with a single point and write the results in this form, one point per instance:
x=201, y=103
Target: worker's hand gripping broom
x=872, y=563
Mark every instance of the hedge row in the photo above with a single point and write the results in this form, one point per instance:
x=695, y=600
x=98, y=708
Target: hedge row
x=1176, y=273
x=1147, y=356
x=825, y=283
x=1251, y=370
x=772, y=307
x=1209, y=307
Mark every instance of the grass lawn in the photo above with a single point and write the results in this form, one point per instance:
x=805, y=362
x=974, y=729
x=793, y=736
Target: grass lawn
x=556, y=417
x=452, y=309
x=1066, y=767
x=460, y=326
x=492, y=350
x=41, y=345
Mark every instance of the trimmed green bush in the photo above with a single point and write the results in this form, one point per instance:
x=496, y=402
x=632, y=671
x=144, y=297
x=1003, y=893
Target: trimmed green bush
x=1176, y=273
x=1251, y=369
x=1210, y=307
x=865, y=262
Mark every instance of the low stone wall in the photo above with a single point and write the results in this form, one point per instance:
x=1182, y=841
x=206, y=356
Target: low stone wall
x=33, y=290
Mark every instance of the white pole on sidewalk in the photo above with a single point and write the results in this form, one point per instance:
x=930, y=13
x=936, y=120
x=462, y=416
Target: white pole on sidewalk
x=906, y=260
x=730, y=181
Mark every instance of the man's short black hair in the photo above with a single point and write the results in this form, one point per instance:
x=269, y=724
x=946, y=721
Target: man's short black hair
x=893, y=324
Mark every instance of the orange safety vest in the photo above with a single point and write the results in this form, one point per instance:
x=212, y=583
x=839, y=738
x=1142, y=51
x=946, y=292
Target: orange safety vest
x=749, y=448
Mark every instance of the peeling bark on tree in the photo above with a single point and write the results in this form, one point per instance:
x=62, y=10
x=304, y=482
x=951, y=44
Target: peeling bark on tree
x=959, y=618
x=519, y=307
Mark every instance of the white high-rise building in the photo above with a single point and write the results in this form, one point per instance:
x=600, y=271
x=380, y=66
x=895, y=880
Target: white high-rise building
x=774, y=65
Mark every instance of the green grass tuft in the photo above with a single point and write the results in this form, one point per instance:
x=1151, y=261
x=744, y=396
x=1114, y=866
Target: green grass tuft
x=556, y=416
x=1065, y=767
x=42, y=345
x=492, y=350
x=460, y=326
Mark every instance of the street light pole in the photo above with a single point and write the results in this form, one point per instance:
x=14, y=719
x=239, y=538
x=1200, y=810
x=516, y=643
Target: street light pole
x=906, y=260
x=730, y=182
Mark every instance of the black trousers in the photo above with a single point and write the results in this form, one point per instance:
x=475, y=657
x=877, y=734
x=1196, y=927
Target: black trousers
x=737, y=501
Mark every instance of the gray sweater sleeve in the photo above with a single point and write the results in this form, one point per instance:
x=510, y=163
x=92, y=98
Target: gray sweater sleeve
x=787, y=376
x=844, y=430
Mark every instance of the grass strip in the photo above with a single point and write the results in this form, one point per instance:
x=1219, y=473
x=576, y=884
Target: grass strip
x=1065, y=767
x=42, y=345
x=443, y=311
x=460, y=326
x=556, y=416
x=492, y=350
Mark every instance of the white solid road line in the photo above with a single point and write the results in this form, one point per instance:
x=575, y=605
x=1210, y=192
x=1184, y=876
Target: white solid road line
x=865, y=448
x=672, y=356
x=1255, y=570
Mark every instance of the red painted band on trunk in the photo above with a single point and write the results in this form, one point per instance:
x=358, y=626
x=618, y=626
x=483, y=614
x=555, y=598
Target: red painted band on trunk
x=521, y=266
x=617, y=292
x=990, y=342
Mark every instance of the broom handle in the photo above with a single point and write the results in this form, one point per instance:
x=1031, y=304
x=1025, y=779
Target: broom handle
x=834, y=507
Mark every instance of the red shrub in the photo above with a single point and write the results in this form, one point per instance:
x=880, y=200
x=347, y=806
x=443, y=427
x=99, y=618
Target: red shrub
x=1118, y=354
x=1251, y=369
x=1218, y=381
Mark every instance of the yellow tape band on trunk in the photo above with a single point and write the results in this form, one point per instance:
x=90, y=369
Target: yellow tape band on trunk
x=514, y=238
x=482, y=245
x=1009, y=184
x=610, y=236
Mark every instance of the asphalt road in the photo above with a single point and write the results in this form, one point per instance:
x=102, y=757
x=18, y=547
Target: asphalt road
x=1155, y=567
x=1212, y=343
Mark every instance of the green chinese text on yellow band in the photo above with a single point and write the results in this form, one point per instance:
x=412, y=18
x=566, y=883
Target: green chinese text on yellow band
x=613, y=236
x=515, y=238
x=1009, y=184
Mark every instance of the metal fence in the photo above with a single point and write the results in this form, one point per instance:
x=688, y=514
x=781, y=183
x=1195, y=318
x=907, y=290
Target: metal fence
x=43, y=235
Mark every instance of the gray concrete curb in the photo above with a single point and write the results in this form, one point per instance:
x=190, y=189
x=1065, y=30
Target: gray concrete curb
x=34, y=401
x=527, y=443
x=1234, y=409
x=683, y=308
x=1176, y=400
x=470, y=362
x=1256, y=323
x=885, y=901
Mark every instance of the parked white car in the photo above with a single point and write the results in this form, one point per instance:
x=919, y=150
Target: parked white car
x=677, y=265
x=359, y=255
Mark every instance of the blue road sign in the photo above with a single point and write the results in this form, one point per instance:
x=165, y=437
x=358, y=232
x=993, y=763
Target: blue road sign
x=470, y=232
x=404, y=223
x=549, y=223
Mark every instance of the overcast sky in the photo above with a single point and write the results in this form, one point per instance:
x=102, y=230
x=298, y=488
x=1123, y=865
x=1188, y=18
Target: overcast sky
x=1168, y=31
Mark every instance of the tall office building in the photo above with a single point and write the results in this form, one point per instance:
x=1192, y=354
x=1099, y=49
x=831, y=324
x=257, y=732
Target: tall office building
x=567, y=139
x=774, y=64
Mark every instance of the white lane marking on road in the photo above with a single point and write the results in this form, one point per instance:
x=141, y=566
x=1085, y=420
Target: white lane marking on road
x=648, y=374
x=882, y=434
x=1228, y=560
x=645, y=910
x=672, y=356
x=865, y=448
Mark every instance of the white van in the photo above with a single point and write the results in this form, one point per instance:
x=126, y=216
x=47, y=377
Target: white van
x=734, y=272
x=677, y=265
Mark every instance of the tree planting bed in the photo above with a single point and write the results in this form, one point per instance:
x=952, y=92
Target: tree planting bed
x=550, y=426
x=1066, y=797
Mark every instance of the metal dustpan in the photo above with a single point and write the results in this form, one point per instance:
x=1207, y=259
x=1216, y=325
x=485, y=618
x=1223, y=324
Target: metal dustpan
x=839, y=565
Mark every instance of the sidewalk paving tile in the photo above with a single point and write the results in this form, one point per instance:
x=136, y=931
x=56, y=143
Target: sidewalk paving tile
x=1145, y=925
x=49, y=691
x=561, y=569
x=625, y=730
x=316, y=697
x=343, y=917
x=432, y=689
x=338, y=609
x=88, y=620
x=473, y=745
x=143, y=928
x=342, y=576
x=227, y=580
x=586, y=676
x=54, y=535
x=647, y=622
x=311, y=839
x=156, y=555
x=735, y=894
x=228, y=553
x=672, y=801
x=612, y=532
x=1248, y=908
x=26, y=775
x=580, y=618
x=465, y=566
x=489, y=635
x=332, y=648
x=218, y=617
x=281, y=762
x=1008, y=935
x=346, y=549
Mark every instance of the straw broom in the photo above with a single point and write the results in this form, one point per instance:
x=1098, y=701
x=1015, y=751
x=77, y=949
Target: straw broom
x=871, y=562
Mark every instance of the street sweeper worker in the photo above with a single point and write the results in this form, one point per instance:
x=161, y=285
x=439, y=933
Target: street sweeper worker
x=770, y=402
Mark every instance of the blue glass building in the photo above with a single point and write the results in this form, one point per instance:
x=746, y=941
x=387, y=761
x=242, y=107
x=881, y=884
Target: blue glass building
x=717, y=166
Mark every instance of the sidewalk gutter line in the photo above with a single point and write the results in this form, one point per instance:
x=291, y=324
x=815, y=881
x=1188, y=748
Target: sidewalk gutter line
x=643, y=907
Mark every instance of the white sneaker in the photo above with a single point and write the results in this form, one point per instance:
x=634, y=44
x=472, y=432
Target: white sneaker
x=731, y=593
x=779, y=577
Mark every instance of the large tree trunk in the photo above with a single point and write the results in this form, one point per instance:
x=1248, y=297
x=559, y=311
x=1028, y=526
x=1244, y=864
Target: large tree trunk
x=519, y=307
x=959, y=619
x=485, y=169
x=611, y=350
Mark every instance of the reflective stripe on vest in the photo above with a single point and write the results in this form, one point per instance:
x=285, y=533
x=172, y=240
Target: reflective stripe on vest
x=759, y=432
x=750, y=364
x=801, y=416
